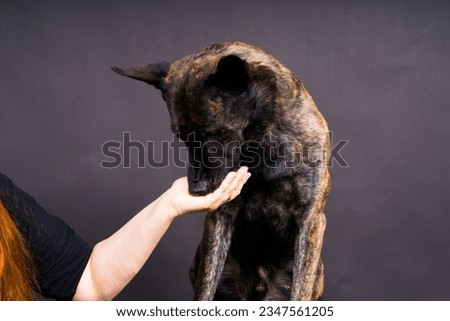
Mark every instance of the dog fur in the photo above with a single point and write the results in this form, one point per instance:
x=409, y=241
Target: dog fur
x=266, y=243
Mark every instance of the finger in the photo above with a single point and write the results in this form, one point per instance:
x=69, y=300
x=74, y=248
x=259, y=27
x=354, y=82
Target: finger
x=242, y=171
x=229, y=188
x=227, y=183
x=223, y=189
x=240, y=185
x=235, y=183
x=235, y=187
x=238, y=189
x=240, y=174
x=243, y=176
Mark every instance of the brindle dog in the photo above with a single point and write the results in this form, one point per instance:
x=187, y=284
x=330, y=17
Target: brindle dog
x=233, y=104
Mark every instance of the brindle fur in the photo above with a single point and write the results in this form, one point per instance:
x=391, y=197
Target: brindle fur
x=265, y=244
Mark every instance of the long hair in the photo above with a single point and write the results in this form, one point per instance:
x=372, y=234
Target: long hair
x=16, y=272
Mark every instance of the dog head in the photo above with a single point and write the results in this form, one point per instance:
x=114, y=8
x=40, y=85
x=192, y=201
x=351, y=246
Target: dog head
x=215, y=99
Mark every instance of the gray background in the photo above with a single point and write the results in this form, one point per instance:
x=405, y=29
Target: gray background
x=378, y=70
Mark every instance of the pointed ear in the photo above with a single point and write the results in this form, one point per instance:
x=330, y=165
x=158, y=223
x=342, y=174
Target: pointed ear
x=231, y=74
x=152, y=74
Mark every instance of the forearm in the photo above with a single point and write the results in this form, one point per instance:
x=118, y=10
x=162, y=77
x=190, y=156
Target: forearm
x=117, y=259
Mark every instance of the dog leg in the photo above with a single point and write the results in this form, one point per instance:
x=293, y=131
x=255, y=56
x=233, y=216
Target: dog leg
x=193, y=271
x=214, y=249
x=309, y=242
x=319, y=284
x=307, y=248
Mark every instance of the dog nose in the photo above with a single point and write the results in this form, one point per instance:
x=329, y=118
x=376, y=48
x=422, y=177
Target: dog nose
x=198, y=187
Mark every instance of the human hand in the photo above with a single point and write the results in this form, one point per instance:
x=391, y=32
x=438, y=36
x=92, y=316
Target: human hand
x=182, y=202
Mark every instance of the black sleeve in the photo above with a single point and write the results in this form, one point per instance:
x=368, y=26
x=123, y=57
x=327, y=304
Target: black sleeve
x=59, y=255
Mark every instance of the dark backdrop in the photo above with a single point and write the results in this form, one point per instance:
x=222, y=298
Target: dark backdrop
x=378, y=70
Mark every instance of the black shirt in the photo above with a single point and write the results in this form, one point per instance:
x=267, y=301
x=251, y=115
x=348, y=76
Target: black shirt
x=59, y=255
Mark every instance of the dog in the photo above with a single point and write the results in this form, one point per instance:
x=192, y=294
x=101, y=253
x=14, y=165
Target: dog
x=233, y=105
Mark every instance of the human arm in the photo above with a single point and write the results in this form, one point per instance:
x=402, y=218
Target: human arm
x=117, y=259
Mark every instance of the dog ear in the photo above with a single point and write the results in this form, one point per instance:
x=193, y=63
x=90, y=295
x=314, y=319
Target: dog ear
x=152, y=74
x=231, y=74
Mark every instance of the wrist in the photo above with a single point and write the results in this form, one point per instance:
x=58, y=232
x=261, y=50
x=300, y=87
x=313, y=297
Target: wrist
x=168, y=206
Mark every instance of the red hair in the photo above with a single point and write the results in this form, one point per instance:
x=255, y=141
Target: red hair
x=16, y=272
